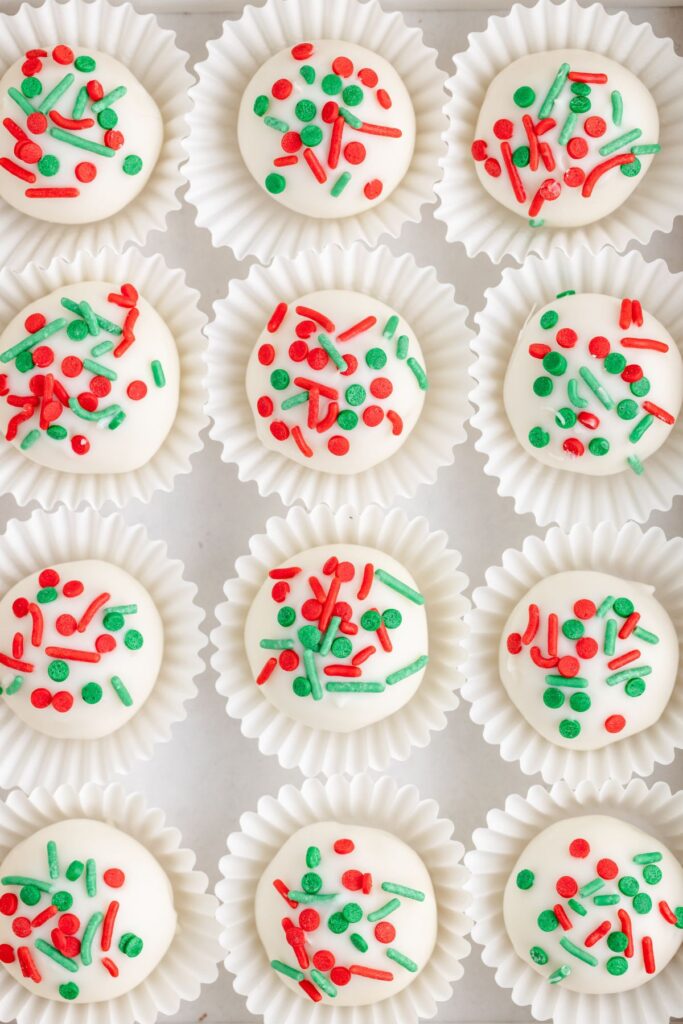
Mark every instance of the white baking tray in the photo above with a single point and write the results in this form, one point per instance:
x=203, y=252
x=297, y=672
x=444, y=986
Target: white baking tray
x=208, y=774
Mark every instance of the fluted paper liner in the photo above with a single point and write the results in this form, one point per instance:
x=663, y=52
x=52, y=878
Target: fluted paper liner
x=151, y=54
x=497, y=847
x=176, y=303
x=31, y=758
x=190, y=960
x=475, y=218
x=556, y=495
x=646, y=557
x=229, y=202
x=416, y=294
x=435, y=570
x=358, y=801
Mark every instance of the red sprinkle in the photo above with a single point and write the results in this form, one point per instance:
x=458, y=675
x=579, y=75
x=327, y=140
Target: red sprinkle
x=342, y=66
x=114, y=878
x=63, y=54
x=302, y=50
x=561, y=916
x=615, y=723
x=566, y=887
x=372, y=189
x=514, y=643
x=597, y=172
x=648, y=955
x=85, y=171
x=532, y=624
x=282, y=89
x=343, y=846
x=595, y=127
x=598, y=934
x=627, y=929
x=607, y=869
x=579, y=848
x=584, y=608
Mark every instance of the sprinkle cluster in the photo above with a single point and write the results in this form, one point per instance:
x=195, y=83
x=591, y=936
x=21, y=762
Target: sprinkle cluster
x=39, y=124
x=76, y=387
x=623, y=934
x=325, y=973
x=97, y=626
x=567, y=644
x=335, y=406
x=521, y=149
x=608, y=383
x=323, y=628
x=45, y=925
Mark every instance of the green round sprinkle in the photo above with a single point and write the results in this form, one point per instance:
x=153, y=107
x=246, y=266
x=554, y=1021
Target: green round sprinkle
x=30, y=895
x=56, y=432
x=24, y=362
x=279, y=379
x=63, y=900
x=355, y=394
x=74, y=872
x=313, y=857
x=635, y=687
x=311, y=135
x=598, y=446
x=85, y=63
x=309, y=637
x=614, y=362
x=341, y=647
x=652, y=874
x=48, y=165
x=538, y=955
x=627, y=409
x=617, y=965
x=581, y=88
x=359, y=942
x=525, y=879
x=623, y=606
x=261, y=104
x=392, y=618
x=371, y=621
x=640, y=388
x=547, y=921
x=629, y=886
x=524, y=96
x=113, y=621
x=573, y=629
x=46, y=595
x=69, y=990
x=543, y=386
x=108, y=118
x=337, y=923
x=538, y=437
x=132, y=164
x=31, y=87
x=92, y=693
x=311, y=882
x=305, y=110
x=642, y=904
x=275, y=183
x=130, y=945
x=347, y=419
x=331, y=84
x=521, y=156
x=617, y=941
x=352, y=913
x=77, y=330
x=376, y=358
x=569, y=728
x=631, y=170
x=579, y=702
x=565, y=417
x=352, y=95
x=553, y=698
x=133, y=640
x=549, y=319
x=286, y=616
x=579, y=104
x=555, y=363
x=301, y=686
x=58, y=671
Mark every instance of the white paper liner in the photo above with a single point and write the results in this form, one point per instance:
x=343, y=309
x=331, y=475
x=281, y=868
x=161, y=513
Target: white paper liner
x=359, y=801
x=556, y=495
x=151, y=54
x=176, y=304
x=191, y=959
x=230, y=203
x=627, y=552
x=416, y=294
x=654, y=810
x=435, y=570
x=477, y=220
x=31, y=758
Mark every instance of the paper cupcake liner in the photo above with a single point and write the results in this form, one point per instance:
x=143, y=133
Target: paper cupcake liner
x=435, y=569
x=628, y=552
x=482, y=224
x=654, y=810
x=176, y=303
x=134, y=39
x=30, y=757
x=556, y=495
x=191, y=959
x=359, y=801
x=415, y=293
x=229, y=201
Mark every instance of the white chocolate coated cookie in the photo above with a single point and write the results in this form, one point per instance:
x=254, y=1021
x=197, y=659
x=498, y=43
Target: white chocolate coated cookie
x=347, y=915
x=564, y=137
x=83, y=135
x=336, y=381
x=327, y=128
x=89, y=379
x=81, y=644
x=594, y=384
x=593, y=904
x=331, y=640
x=86, y=912
x=589, y=658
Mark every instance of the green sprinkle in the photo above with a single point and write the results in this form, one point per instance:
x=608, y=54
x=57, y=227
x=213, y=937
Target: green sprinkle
x=82, y=143
x=50, y=100
x=617, y=108
x=75, y=870
x=312, y=675
x=48, y=165
x=88, y=935
x=158, y=374
x=555, y=363
x=52, y=860
x=305, y=110
x=579, y=701
x=610, y=900
x=352, y=95
x=340, y=184
x=277, y=645
x=277, y=124
x=310, y=637
x=107, y=119
x=279, y=379
x=569, y=728
x=310, y=897
x=553, y=698
x=652, y=874
x=646, y=635
x=330, y=633
x=90, y=877
x=80, y=104
x=640, y=388
x=402, y=960
x=524, y=96
x=408, y=670
x=85, y=63
x=420, y=375
x=565, y=418
x=109, y=98
x=91, y=693
x=525, y=879
x=32, y=340
x=402, y=343
x=58, y=671
x=392, y=618
x=351, y=119
x=596, y=387
x=130, y=945
x=619, y=142
x=355, y=394
x=311, y=135
x=20, y=100
x=323, y=983
x=311, y=882
x=554, y=91
x=24, y=880
x=290, y=972
x=301, y=686
x=332, y=351
x=342, y=647
x=641, y=426
x=313, y=857
x=614, y=362
x=286, y=616
x=63, y=901
x=645, y=150
x=121, y=691
x=580, y=954
x=30, y=895
x=560, y=974
x=580, y=104
x=402, y=890
x=592, y=887
x=617, y=965
x=569, y=291
x=132, y=165
x=307, y=73
x=77, y=330
x=69, y=990
x=99, y=414
x=99, y=370
x=401, y=588
x=49, y=950
x=121, y=609
x=15, y=685
x=390, y=327
x=647, y=858
x=628, y=885
x=133, y=639
x=355, y=687
x=568, y=128
x=30, y=439
x=598, y=446
x=261, y=104
x=575, y=682
x=275, y=183
x=102, y=348
x=610, y=641
x=384, y=911
x=543, y=386
x=359, y=942
x=635, y=688
x=605, y=607
x=577, y=907
x=46, y=595
x=628, y=673
x=642, y=903
x=617, y=942
x=538, y=955
x=538, y=437
x=547, y=921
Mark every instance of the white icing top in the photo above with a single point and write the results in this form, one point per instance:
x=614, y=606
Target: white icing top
x=327, y=128
x=42, y=153
x=383, y=632
x=365, y=925
x=81, y=645
x=103, y=373
x=592, y=387
x=579, y=129
x=605, y=696
x=627, y=891
x=84, y=867
x=370, y=385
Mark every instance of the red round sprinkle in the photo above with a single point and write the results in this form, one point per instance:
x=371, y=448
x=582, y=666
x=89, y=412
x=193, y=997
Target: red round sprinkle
x=85, y=171
x=372, y=415
x=607, y=869
x=71, y=366
x=492, y=167
x=94, y=89
x=345, y=571
x=29, y=152
x=584, y=608
x=80, y=444
x=21, y=926
x=43, y=356
x=265, y=406
x=282, y=89
x=478, y=150
x=352, y=880
x=579, y=848
x=289, y=661
x=266, y=354
x=101, y=387
x=49, y=578
x=69, y=945
x=63, y=54
x=302, y=50
x=574, y=177
x=340, y=976
x=343, y=610
x=338, y=445
x=323, y=960
x=31, y=66
x=34, y=322
x=381, y=387
x=599, y=347
x=298, y=351
x=291, y=142
x=368, y=77
x=385, y=931
x=113, y=139
x=538, y=350
x=514, y=643
x=8, y=904
x=69, y=924
x=114, y=878
x=62, y=701
x=279, y=430
x=566, y=887
x=344, y=846
x=105, y=643
x=589, y=420
x=372, y=189
x=566, y=337
x=36, y=123
x=74, y=588
x=568, y=666
x=136, y=390
x=632, y=372
x=615, y=723
x=354, y=152
x=317, y=358
x=88, y=401
x=309, y=919
x=20, y=607
x=342, y=66
x=573, y=446
x=41, y=698
x=7, y=954
x=37, y=384
x=295, y=936
x=586, y=647
x=305, y=329
x=577, y=148
x=66, y=625
x=503, y=128
x=550, y=189
x=330, y=112
x=595, y=126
